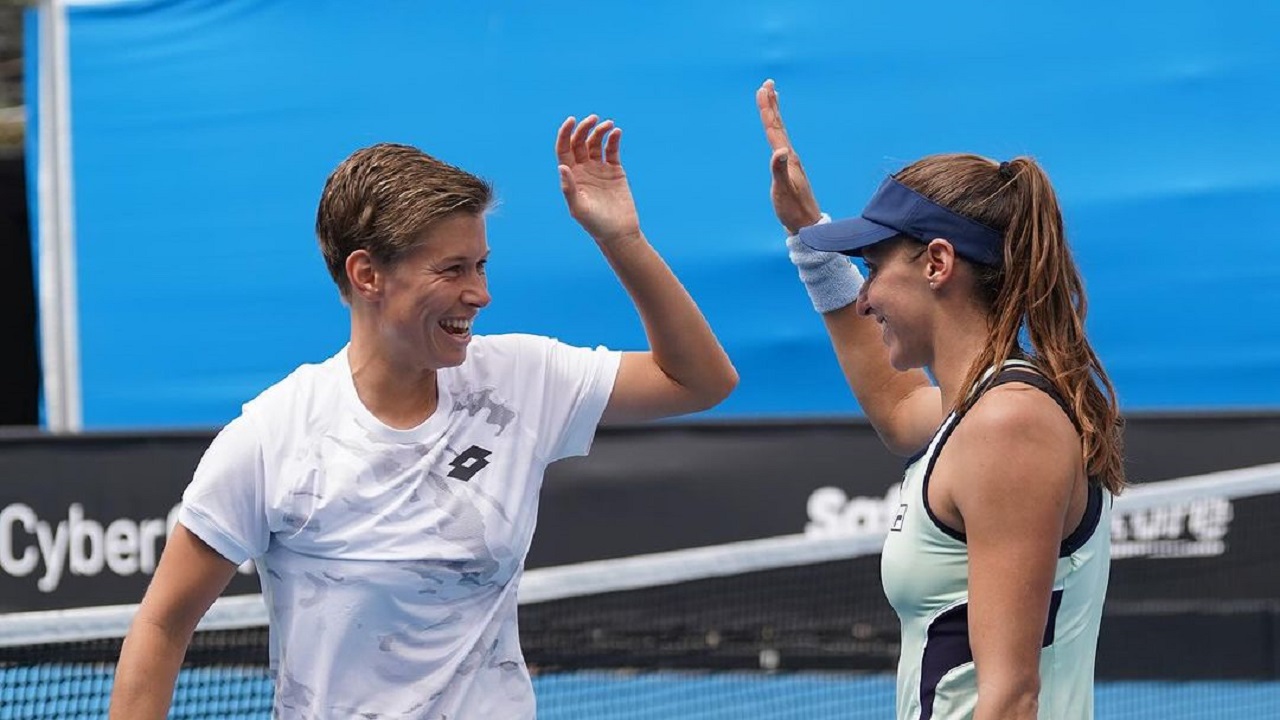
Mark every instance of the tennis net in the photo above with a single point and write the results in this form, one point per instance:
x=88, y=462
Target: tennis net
x=790, y=627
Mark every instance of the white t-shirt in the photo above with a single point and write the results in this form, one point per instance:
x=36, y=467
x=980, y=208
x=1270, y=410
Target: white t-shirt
x=389, y=559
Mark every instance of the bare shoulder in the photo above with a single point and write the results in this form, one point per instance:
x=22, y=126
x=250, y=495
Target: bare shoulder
x=1016, y=436
x=1020, y=413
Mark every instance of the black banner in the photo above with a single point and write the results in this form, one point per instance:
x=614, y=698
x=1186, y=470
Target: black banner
x=83, y=518
x=668, y=487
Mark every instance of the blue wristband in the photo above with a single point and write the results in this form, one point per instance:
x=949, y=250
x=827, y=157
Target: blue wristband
x=832, y=281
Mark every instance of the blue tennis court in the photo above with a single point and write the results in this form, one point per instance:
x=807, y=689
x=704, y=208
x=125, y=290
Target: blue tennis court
x=81, y=693
x=729, y=696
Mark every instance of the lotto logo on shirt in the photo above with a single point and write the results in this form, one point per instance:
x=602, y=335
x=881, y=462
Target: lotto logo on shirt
x=469, y=462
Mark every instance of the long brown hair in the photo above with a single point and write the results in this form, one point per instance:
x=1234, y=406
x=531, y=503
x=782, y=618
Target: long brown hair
x=1038, y=289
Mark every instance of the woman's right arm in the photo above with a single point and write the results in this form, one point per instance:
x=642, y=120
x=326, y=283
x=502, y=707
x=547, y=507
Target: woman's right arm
x=189, y=578
x=904, y=407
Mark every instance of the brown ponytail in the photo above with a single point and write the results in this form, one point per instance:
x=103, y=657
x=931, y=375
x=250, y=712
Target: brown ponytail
x=1038, y=290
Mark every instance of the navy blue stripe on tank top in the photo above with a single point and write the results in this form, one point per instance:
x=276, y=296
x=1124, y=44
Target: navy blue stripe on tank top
x=947, y=648
x=1093, y=510
x=1039, y=382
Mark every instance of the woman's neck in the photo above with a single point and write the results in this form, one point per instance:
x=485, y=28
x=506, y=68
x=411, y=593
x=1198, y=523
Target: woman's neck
x=959, y=342
x=402, y=395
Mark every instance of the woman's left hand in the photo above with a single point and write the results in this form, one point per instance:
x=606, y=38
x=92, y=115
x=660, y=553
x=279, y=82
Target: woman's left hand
x=593, y=181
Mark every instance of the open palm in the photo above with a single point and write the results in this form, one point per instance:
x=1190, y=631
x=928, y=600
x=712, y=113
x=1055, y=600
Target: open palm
x=793, y=199
x=593, y=181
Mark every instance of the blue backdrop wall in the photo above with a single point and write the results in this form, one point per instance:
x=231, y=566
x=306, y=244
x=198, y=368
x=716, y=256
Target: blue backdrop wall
x=203, y=131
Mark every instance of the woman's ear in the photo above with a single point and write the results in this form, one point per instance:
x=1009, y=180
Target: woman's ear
x=363, y=276
x=940, y=262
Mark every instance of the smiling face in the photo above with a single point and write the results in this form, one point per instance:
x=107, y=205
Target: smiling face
x=378, y=201
x=897, y=295
x=428, y=297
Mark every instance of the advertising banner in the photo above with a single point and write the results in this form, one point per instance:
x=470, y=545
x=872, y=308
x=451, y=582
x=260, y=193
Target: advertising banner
x=83, y=519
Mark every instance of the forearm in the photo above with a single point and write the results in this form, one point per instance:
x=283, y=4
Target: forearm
x=680, y=339
x=1007, y=703
x=887, y=396
x=146, y=672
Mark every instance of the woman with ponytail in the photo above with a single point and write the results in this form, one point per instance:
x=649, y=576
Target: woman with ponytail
x=998, y=557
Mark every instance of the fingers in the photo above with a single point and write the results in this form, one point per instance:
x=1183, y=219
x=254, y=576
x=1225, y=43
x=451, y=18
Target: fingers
x=771, y=100
x=613, y=147
x=595, y=141
x=564, y=152
x=588, y=141
x=762, y=98
x=578, y=141
x=771, y=116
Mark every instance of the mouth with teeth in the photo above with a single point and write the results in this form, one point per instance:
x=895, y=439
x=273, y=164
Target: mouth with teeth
x=457, y=327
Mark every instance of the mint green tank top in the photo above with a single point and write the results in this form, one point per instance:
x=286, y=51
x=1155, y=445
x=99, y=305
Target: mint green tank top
x=925, y=570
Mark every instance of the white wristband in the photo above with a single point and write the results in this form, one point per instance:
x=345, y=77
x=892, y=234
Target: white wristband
x=832, y=281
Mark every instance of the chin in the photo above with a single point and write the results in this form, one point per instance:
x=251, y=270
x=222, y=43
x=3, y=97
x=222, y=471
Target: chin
x=454, y=360
x=440, y=360
x=902, y=362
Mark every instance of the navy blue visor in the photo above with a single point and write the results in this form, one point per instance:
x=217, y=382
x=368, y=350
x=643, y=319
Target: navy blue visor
x=896, y=209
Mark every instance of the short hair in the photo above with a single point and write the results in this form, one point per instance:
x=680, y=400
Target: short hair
x=384, y=198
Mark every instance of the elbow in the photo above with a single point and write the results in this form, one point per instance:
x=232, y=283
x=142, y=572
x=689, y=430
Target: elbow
x=728, y=383
x=709, y=391
x=720, y=389
x=900, y=444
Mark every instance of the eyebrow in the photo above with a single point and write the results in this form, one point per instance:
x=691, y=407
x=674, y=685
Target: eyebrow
x=461, y=258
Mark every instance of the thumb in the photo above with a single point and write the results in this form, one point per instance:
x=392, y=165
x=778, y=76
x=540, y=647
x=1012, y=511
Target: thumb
x=567, y=185
x=781, y=157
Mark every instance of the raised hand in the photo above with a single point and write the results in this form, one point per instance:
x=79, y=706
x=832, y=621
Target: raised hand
x=793, y=199
x=593, y=181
